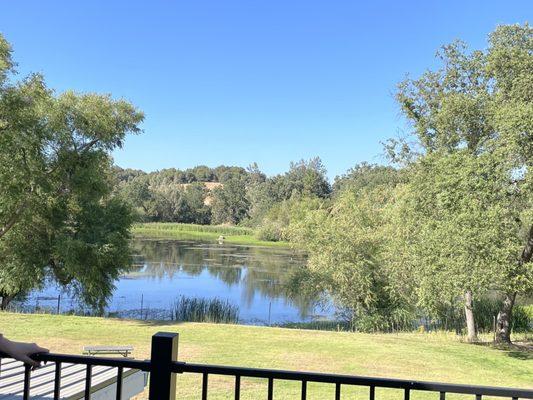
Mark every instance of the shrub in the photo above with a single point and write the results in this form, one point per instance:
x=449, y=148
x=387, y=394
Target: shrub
x=522, y=320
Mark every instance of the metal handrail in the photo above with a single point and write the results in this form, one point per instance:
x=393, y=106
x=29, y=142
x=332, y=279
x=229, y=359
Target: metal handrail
x=353, y=380
x=163, y=367
x=143, y=365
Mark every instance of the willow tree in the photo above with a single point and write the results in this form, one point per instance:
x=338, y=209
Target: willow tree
x=346, y=242
x=477, y=107
x=458, y=231
x=58, y=217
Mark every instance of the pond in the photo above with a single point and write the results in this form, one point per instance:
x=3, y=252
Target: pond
x=252, y=278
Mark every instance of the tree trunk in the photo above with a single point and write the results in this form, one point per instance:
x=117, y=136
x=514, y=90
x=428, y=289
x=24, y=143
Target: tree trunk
x=6, y=299
x=469, y=315
x=527, y=253
x=503, y=321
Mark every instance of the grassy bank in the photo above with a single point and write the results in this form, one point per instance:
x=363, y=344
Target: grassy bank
x=434, y=357
x=232, y=234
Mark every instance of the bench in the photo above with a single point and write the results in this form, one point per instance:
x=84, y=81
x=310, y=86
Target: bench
x=94, y=350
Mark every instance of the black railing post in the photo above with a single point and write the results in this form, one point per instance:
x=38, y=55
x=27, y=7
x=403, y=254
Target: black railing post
x=162, y=380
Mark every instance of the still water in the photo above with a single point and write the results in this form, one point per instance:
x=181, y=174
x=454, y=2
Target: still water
x=253, y=278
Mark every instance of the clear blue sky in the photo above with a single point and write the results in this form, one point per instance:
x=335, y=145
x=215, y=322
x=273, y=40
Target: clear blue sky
x=232, y=82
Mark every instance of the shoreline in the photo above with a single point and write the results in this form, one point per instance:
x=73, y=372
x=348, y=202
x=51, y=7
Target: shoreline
x=170, y=230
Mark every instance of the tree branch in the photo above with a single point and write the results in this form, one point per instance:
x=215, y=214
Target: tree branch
x=15, y=217
x=88, y=145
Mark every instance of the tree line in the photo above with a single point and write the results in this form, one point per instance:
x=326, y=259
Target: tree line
x=221, y=195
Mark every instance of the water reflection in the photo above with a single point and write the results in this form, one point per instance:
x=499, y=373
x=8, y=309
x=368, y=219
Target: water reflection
x=252, y=277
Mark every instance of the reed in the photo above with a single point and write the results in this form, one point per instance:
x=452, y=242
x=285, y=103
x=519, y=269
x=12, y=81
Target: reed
x=197, y=309
x=178, y=227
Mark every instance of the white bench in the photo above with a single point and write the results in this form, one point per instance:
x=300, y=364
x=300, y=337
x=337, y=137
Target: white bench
x=94, y=350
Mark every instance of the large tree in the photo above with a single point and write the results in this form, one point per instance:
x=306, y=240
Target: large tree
x=58, y=215
x=346, y=244
x=458, y=231
x=230, y=204
x=479, y=105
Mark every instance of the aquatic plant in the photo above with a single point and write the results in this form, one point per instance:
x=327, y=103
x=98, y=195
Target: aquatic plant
x=181, y=227
x=197, y=309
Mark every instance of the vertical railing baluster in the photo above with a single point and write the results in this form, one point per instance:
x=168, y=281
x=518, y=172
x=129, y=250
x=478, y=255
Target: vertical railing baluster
x=119, y=383
x=27, y=372
x=205, y=384
x=88, y=383
x=237, y=387
x=304, y=390
x=57, y=381
x=164, y=353
x=163, y=385
x=372, y=392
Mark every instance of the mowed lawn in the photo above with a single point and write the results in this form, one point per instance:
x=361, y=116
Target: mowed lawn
x=421, y=356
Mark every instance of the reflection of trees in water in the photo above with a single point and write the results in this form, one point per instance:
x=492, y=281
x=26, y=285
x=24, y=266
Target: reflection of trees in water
x=260, y=271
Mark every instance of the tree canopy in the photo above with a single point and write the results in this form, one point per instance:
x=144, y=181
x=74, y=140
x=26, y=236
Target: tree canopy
x=58, y=217
x=454, y=222
x=473, y=121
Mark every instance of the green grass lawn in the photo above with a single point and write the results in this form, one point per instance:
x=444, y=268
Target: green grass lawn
x=232, y=234
x=420, y=356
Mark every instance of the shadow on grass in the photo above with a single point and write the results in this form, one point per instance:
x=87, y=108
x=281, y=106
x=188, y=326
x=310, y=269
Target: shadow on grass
x=156, y=322
x=520, y=354
x=518, y=350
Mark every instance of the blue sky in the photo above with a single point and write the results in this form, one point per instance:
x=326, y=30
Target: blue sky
x=233, y=82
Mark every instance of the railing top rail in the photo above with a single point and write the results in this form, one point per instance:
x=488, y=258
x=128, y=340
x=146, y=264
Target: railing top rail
x=181, y=367
x=143, y=365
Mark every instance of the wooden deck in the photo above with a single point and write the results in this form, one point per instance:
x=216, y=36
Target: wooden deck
x=103, y=382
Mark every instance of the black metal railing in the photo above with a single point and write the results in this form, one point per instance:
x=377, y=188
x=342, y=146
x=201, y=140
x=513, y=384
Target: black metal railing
x=163, y=367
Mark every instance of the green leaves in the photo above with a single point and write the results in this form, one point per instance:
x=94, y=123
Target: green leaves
x=92, y=120
x=458, y=216
x=469, y=195
x=230, y=204
x=58, y=216
x=6, y=63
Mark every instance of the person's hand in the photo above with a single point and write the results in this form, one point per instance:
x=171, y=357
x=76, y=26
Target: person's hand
x=22, y=351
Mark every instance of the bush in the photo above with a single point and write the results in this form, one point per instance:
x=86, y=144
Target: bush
x=271, y=231
x=277, y=223
x=522, y=320
x=485, y=311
